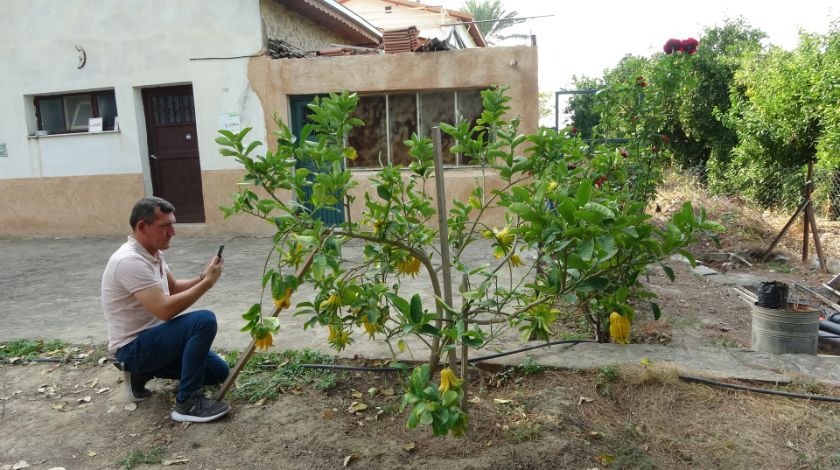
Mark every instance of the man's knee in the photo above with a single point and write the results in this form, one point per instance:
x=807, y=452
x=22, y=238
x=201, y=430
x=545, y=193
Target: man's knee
x=204, y=320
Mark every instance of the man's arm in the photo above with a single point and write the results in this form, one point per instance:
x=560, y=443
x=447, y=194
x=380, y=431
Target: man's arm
x=182, y=293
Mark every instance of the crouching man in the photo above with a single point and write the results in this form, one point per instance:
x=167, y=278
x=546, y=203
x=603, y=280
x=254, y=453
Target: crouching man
x=148, y=331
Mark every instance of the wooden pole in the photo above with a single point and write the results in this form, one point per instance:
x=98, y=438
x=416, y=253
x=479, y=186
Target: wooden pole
x=446, y=270
x=809, y=216
x=808, y=183
x=776, y=240
x=249, y=351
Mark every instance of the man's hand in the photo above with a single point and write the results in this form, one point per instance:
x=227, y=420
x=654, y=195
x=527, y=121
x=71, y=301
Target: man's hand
x=213, y=270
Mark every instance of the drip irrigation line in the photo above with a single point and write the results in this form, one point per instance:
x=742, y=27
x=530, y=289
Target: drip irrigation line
x=516, y=351
x=476, y=359
x=351, y=368
x=769, y=391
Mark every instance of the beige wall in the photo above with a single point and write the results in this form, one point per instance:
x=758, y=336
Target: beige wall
x=94, y=206
x=99, y=206
x=275, y=80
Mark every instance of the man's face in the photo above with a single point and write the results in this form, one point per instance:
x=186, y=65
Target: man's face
x=160, y=232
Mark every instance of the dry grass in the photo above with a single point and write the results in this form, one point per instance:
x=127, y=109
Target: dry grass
x=652, y=419
x=747, y=226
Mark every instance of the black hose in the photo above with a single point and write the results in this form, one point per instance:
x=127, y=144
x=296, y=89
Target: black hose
x=351, y=368
x=830, y=326
x=769, y=391
x=542, y=345
x=477, y=359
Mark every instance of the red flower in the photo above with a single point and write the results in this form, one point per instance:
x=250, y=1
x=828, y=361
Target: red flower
x=673, y=45
x=689, y=46
x=623, y=153
x=574, y=130
x=640, y=81
x=601, y=180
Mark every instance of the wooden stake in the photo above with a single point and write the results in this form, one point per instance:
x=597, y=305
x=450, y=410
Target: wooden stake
x=443, y=227
x=249, y=351
x=781, y=234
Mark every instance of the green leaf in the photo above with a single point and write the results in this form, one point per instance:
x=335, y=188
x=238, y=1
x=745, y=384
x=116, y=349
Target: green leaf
x=657, y=313
x=584, y=192
x=586, y=249
x=416, y=310
x=669, y=272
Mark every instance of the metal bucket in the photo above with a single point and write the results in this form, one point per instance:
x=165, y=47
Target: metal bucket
x=794, y=330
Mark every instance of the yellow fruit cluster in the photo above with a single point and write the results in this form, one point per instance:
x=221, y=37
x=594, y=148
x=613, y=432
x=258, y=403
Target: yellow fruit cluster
x=448, y=380
x=619, y=328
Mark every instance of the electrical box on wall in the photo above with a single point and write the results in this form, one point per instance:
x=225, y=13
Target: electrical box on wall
x=3, y=152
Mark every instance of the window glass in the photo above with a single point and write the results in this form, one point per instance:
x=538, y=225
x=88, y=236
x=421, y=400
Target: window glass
x=67, y=113
x=107, y=105
x=52, y=118
x=402, y=110
x=436, y=108
x=77, y=111
x=370, y=140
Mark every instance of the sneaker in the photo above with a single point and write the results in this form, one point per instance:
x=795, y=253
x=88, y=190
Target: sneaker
x=199, y=409
x=135, y=385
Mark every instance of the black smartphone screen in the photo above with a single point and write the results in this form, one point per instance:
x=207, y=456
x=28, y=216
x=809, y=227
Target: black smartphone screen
x=221, y=248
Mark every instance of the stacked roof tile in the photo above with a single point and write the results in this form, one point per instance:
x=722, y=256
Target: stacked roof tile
x=401, y=40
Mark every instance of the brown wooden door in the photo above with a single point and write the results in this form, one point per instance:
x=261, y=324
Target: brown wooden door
x=173, y=150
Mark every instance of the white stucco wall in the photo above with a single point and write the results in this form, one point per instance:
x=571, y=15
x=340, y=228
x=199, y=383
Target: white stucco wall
x=130, y=45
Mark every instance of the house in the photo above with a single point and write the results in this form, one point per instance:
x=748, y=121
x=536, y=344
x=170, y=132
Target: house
x=432, y=21
x=100, y=106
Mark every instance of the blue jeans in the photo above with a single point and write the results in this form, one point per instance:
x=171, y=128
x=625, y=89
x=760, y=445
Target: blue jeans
x=178, y=349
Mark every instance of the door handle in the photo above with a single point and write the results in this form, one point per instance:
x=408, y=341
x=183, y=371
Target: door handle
x=152, y=156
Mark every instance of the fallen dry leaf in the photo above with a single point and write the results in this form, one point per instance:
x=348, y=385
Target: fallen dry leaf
x=260, y=402
x=584, y=399
x=372, y=391
x=646, y=361
x=130, y=407
x=606, y=459
x=356, y=394
x=388, y=392
x=59, y=406
x=84, y=399
x=175, y=462
x=102, y=360
x=102, y=390
x=19, y=465
x=349, y=459
x=501, y=401
x=91, y=453
x=409, y=447
x=357, y=406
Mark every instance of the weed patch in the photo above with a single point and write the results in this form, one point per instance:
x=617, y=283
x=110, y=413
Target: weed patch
x=139, y=457
x=268, y=375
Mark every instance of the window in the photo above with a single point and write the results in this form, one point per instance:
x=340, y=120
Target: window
x=390, y=120
x=67, y=113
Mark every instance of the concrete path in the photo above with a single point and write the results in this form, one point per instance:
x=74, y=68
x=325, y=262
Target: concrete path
x=49, y=289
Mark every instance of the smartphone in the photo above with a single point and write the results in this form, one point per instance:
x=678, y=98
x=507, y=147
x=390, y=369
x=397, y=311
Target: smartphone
x=221, y=249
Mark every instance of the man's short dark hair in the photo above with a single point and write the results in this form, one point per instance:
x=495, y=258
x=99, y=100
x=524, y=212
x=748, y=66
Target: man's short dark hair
x=144, y=210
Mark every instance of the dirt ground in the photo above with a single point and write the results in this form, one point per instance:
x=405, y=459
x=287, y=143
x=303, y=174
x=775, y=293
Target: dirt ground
x=74, y=414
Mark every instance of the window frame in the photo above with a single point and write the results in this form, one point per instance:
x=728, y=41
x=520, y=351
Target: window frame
x=93, y=99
